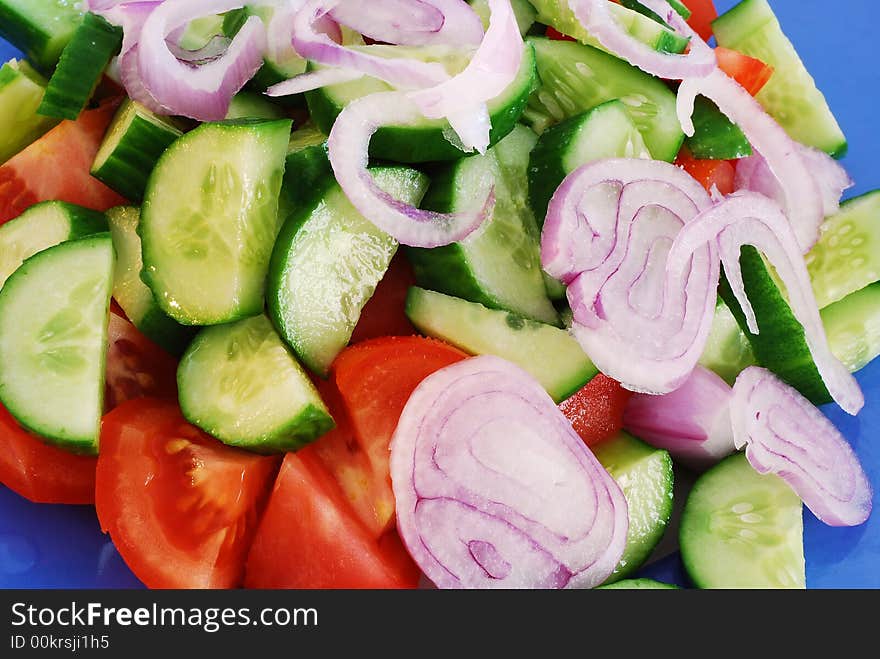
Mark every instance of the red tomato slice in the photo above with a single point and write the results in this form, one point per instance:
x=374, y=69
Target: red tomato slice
x=136, y=367
x=703, y=12
x=308, y=537
x=57, y=166
x=385, y=313
x=556, y=35
x=596, y=410
x=180, y=506
x=375, y=379
x=40, y=472
x=719, y=173
x=749, y=72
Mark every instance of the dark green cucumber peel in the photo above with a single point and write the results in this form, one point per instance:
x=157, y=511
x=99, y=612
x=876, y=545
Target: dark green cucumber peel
x=39, y=28
x=80, y=68
x=781, y=345
x=307, y=170
x=715, y=136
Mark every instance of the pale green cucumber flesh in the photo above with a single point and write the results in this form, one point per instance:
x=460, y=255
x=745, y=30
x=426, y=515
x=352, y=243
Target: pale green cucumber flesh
x=728, y=351
x=853, y=327
x=53, y=341
x=210, y=219
x=499, y=265
x=40, y=28
x=742, y=529
x=427, y=141
x=847, y=256
x=638, y=584
x=644, y=473
x=551, y=355
x=132, y=294
x=576, y=78
x=326, y=264
x=239, y=383
x=246, y=105
x=42, y=226
x=523, y=10
x=20, y=95
x=132, y=145
x=791, y=95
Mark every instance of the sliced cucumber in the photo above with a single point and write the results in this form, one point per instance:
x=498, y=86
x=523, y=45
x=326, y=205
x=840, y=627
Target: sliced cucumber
x=635, y=5
x=576, y=78
x=638, y=584
x=239, y=383
x=427, y=141
x=249, y=105
x=133, y=144
x=847, y=256
x=499, y=265
x=307, y=170
x=780, y=345
x=606, y=131
x=742, y=529
x=551, y=355
x=523, y=10
x=53, y=341
x=728, y=351
x=326, y=264
x=715, y=136
x=40, y=28
x=853, y=327
x=132, y=294
x=80, y=68
x=42, y=226
x=656, y=35
x=644, y=473
x=790, y=96
x=210, y=218
x=21, y=91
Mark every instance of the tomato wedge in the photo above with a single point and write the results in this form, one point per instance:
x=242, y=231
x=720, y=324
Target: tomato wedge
x=749, y=72
x=181, y=507
x=555, y=35
x=308, y=537
x=703, y=12
x=57, y=166
x=596, y=410
x=385, y=312
x=718, y=173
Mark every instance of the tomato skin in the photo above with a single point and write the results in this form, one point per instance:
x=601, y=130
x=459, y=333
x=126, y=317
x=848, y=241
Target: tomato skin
x=180, y=507
x=555, y=35
x=720, y=173
x=749, y=72
x=596, y=410
x=308, y=538
x=57, y=166
x=385, y=312
x=42, y=473
x=703, y=12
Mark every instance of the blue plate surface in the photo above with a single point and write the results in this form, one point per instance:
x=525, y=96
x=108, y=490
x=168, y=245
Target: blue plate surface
x=62, y=546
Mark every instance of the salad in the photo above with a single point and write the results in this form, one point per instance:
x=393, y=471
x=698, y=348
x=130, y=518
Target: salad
x=442, y=293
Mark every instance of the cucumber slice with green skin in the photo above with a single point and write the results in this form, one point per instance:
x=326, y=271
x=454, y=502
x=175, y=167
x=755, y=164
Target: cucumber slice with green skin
x=635, y=5
x=728, y=351
x=791, y=96
x=239, y=383
x=656, y=35
x=427, y=141
x=307, y=171
x=499, y=265
x=132, y=294
x=715, y=136
x=606, y=131
x=644, y=473
x=80, y=68
x=638, y=584
x=551, y=355
x=210, y=218
x=40, y=28
x=21, y=92
x=326, y=264
x=742, y=529
x=781, y=345
x=53, y=341
x=250, y=105
x=576, y=78
x=853, y=327
x=133, y=144
x=525, y=13
x=847, y=256
x=42, y=226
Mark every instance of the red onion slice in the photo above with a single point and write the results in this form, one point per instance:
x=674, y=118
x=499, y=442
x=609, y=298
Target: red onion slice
x=748, y=218
x=200, y=92
x=413, y=22
x=803, y=200
x=495, y=490
x=348, y=149
x=596, y=18
x=214, y=49
x=609, y=228
x=692, y=422
x=784, y=434
x=313, y=80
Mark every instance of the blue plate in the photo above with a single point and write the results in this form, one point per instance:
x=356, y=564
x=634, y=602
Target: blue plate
x=62, y=546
